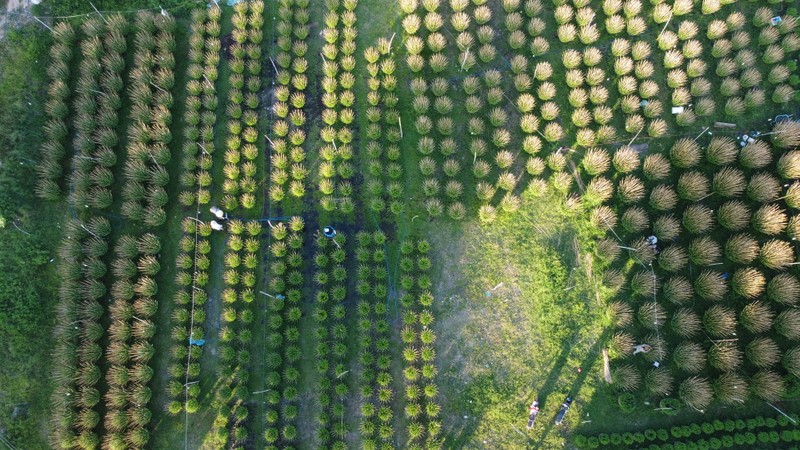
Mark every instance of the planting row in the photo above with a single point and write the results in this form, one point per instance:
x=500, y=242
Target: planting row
x=718, y=434
x=96, y=106
x=188, y=317
x=151, y=79
x=129, y=351
x=75, y=402
x=336, y=168
x=283, y=341
x=331, y=340
x=375, y=384
x=242, y=150
x=287, y=162
x=421, y=410
x=56, y=129
x=200, y=115
x=231, y=401
x=383, y=181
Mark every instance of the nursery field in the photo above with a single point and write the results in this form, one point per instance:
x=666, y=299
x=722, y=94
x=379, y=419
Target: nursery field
x=385, y=224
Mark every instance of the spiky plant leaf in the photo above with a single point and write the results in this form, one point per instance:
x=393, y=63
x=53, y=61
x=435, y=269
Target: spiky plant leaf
x=656, y=167
x=685, y=153
x=769, y=219
x=608, y=249
x=786, y=134
x=725, y=356
x=733, y=215
x=626, y=378
x=720, y=321
x=763, y=352
x=644, y=284
x=731, y=388
x=685, y=322
x=621, y=314
x=741, y=249
x=677, y=290
x=673, y=258
x=692, y=186
x=768, y=385
x=755, y=155
x=613, y=279
x=696, y=392
x=652, y=315
x=666, y=228
x=663, y=198
x=643, y=251
x=721, y=151
x=659, y=382
x=791, y=361
x=784, y=288
x=621, y=345
x=776, y=254
x=787, y=324
x=689, y=356
x=704, y=251
x=748, y=282
x=658, y=347
x=729, y=182
x=698, y=219
x=763, y=188
x=757, y=317
x=635, y=219
x=626, y=159
x=630, y=189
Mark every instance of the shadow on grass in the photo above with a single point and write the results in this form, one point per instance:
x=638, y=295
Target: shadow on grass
x=574, y=389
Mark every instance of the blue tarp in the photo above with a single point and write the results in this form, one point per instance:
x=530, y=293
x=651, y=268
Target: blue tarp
x=198, y=342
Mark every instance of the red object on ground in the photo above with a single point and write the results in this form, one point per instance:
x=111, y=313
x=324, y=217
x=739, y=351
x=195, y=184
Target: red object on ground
x=580, y=370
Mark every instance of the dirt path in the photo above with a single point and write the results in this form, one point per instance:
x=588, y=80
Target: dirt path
x=13, y=6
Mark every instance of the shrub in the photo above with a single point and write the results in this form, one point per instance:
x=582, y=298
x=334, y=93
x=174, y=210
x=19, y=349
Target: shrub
x=720, y=321
x=666, y=228
x=673, y=259
x=635, y=219
x=733, y=215
x=763, y=187
x=769, y=220
x=756, y=316
x=725, y=356
x=698, y=219
x=656, y=167
x=689, y=356
x=685, y=153
x=695, y=392
x=704, y=251
x=762, y=352
x=677, y=290
x=659, y=381
x=731, y=388
x=783, y=288
x=776, y=254
x=626, y=378
x=685, y=322
x=767, y=385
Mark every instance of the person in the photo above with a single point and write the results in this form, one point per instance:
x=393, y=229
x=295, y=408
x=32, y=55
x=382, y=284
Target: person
x=533, y=411
x=652, y=241
x=642, y=348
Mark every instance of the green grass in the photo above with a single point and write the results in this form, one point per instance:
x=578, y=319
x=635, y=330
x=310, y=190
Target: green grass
x=30, y=230
x=542, y=320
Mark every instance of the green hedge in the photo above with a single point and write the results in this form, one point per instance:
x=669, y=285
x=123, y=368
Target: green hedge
x=765, y=432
